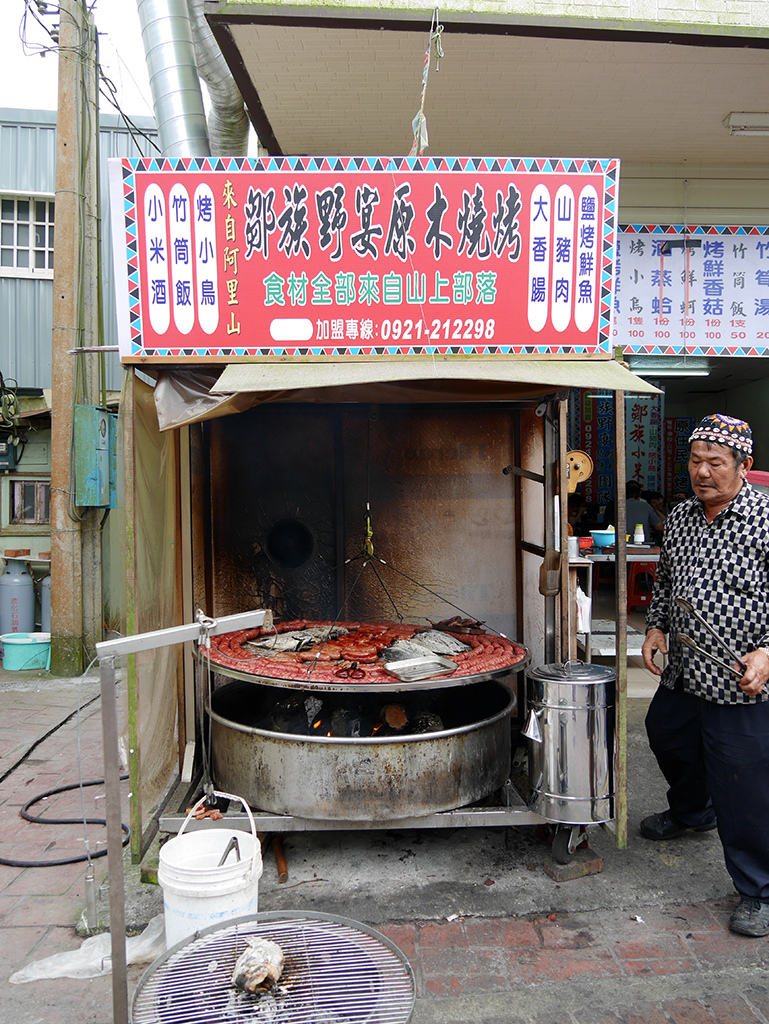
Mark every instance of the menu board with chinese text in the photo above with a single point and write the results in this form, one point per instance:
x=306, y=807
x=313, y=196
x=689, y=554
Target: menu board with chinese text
x=229, y=258
x=699, y=292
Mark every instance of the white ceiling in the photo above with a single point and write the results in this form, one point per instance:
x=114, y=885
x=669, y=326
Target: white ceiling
x=327, y=86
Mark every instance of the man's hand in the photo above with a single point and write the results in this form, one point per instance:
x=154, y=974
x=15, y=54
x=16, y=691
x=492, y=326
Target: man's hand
x=756, y=674
x=655, y=641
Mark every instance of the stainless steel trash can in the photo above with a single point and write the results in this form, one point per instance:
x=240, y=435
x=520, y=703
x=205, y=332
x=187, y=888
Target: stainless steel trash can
x=570, y=732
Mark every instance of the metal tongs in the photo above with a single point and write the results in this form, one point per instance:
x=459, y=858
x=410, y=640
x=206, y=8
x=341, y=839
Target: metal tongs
x=687, y=641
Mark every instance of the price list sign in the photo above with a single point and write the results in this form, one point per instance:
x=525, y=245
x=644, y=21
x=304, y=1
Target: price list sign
x=227, y=258
x=695, y=291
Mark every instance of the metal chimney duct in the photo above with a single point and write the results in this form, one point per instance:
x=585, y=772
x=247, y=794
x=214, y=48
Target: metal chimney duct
x=228, y=122
x=173, y=75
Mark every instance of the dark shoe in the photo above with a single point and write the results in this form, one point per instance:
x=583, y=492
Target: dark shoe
x=665, y=826
x=750, y=918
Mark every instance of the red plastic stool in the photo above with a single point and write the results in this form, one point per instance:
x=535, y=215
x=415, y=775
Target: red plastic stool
x=639, y=589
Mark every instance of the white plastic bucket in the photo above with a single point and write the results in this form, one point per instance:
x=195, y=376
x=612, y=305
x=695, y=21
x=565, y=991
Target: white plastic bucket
x=197, y=892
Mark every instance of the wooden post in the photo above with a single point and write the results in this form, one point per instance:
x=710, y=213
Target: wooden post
x=620, y=779
x=75, y=324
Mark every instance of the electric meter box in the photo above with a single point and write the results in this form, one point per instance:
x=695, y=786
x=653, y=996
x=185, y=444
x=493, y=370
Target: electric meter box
x=95, y=457
x=7, y=455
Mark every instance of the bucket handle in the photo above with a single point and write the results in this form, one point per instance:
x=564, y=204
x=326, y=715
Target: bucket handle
x=226, y=796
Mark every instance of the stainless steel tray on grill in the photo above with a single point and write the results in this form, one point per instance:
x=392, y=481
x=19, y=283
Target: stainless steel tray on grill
x=411, y=670
x=336, y=970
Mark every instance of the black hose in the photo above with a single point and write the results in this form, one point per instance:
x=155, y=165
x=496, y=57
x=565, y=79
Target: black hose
x=63, y=821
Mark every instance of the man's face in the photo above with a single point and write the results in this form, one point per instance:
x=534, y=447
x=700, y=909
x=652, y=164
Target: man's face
x=716, y=477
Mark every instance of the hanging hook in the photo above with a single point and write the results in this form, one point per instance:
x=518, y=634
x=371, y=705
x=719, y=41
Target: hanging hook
x=368, y=543
x=438, y=43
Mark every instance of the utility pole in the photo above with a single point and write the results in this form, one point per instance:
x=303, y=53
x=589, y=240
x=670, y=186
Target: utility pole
x=76, y=599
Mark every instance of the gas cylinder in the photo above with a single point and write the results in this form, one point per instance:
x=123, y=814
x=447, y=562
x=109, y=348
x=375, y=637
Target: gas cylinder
x=17, y=598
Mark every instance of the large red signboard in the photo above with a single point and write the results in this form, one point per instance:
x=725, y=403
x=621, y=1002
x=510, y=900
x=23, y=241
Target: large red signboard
x=237, y=258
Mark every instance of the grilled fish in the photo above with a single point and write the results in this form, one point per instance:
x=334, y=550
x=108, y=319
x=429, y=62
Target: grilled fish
x=403, y=650
x=439, y=643
x=298, y=639
x=429, y=641
x=259, y=965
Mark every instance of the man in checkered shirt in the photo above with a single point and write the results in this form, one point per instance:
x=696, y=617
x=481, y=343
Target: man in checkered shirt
x=708, y=724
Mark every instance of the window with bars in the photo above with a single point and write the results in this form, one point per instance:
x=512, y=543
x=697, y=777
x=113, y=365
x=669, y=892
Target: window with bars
x=26, y=236
x=30, y=501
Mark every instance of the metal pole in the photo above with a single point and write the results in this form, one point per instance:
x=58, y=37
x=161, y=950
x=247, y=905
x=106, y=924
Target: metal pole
x=107, y=651
x=620, y=571
x=114, y=840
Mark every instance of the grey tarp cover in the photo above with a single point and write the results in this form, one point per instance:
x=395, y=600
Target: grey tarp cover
x=187, y=396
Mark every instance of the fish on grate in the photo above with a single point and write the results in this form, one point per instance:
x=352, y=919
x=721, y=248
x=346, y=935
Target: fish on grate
x=297, y=639
x=429, y=641
x=259, y=965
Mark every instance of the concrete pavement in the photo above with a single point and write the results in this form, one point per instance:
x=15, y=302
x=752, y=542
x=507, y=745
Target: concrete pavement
x=490, y=935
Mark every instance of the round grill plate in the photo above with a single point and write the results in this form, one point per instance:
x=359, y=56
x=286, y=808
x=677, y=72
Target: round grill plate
x=336, y=971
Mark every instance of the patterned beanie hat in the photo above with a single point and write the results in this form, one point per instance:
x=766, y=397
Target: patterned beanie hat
x=726, y=430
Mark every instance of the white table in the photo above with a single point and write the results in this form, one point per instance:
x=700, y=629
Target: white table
x=635, y=553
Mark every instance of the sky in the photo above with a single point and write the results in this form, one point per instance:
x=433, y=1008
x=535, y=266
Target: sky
x=30, y=81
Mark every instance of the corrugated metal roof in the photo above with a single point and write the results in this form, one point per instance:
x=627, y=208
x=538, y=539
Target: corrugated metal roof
x=28, y=164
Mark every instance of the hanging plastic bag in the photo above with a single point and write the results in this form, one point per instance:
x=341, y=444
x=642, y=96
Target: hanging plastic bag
x=94, y=958
x=583, y=611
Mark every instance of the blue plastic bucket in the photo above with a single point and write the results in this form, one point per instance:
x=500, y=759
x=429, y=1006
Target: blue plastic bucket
x=23, y=651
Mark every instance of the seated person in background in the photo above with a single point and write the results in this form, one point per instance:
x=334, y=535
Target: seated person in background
x=657, y=502
x=639, y=511
x=576, y=511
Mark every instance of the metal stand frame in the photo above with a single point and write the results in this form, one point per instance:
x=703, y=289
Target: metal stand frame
x=511, y=811
x=107, y=651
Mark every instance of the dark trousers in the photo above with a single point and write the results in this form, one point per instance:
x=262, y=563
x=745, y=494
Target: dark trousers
x=715, y=758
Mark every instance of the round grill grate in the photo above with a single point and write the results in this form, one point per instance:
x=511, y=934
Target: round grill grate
x=336, y=971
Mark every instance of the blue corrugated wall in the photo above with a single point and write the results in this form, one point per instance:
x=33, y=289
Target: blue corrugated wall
x=28, y=164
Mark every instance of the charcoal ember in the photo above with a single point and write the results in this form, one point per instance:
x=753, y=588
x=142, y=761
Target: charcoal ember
x=345, y=722
x=289, y=715
x=427, y=721
x=312, y=706
x=395, y=716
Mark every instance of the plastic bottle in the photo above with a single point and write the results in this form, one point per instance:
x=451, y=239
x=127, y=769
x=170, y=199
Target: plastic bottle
x=638, y=536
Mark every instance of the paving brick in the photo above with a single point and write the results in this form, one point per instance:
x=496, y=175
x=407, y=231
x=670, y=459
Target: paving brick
x=502, y=932
x=60, y=879
x=719, y=947
x=559, y=965
x=649, y=947
x=45, y=910
x=680, y=919
x=444, y=986
x=486, y=982
x=757, y=998
x=729, y=1011
x=664, y=965
x=404, y=936
x=687, y=1011
x=457, y=961
x=449, y=934
x=557, y=936
x=645, y=1014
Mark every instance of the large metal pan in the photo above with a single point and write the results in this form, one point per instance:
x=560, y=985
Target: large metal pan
x=363, y=778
